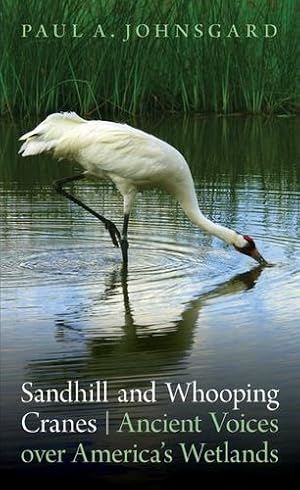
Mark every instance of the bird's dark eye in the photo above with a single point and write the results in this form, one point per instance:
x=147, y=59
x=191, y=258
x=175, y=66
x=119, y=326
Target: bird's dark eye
x=251, y=244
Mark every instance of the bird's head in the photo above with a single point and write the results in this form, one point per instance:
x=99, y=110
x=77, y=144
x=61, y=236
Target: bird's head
x=247, y=246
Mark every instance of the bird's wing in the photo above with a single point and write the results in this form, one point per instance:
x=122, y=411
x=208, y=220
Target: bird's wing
x=123, y=151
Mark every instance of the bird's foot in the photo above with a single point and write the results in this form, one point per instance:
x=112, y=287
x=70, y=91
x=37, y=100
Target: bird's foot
x=114, y=233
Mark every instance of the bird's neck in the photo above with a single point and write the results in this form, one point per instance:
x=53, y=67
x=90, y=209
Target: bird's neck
x=191, y=209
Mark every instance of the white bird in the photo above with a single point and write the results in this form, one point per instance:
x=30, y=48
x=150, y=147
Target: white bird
x=133, y=160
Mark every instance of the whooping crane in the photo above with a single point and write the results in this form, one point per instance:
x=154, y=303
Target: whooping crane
x=134, y=161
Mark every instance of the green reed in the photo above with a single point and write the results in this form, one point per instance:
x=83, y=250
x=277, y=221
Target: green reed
x=96, y=76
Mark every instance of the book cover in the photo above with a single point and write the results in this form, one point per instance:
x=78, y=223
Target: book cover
x=185, y=361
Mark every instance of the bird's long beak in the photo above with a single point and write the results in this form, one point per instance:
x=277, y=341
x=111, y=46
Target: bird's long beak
x=259, y=258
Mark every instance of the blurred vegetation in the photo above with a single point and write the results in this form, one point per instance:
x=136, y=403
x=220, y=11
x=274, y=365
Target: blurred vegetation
x=99, y=76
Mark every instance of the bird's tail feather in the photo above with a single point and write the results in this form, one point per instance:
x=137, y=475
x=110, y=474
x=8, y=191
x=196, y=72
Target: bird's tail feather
x=44, y=137
x=36, y=141
x=35, y=146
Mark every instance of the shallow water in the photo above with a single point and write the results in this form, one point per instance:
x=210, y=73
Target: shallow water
x=190, y=307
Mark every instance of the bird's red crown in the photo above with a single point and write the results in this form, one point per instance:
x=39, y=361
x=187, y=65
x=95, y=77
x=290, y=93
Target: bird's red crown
x=248, y=238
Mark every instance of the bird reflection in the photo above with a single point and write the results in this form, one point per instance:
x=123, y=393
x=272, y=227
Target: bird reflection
x=139, y=350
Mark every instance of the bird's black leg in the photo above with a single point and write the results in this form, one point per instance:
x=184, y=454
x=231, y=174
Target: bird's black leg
x=124, y=240
x=109, y=225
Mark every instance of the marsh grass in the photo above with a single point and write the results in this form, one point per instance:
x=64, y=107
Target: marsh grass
x=96, y=76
